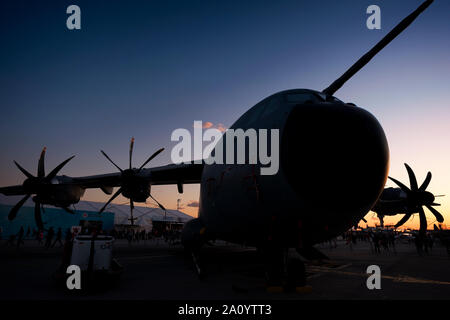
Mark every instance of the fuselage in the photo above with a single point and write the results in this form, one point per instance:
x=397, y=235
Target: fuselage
x=327, y=148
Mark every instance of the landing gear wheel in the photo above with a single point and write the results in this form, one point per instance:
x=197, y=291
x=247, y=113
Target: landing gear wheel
x=274, y=269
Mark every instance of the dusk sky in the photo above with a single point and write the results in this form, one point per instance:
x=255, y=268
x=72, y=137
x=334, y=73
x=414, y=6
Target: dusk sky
x=146, y=68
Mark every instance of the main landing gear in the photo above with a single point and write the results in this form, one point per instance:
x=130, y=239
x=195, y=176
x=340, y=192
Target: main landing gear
x=284, y=273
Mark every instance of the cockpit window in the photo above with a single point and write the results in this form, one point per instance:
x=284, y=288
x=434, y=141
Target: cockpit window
x=301, y=98
x=310, y=97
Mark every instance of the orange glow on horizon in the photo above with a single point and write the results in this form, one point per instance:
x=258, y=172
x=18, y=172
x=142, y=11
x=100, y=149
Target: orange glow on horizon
x=166, y=195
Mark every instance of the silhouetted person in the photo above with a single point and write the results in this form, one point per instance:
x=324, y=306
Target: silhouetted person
x=58, y=238
x=69, y=236
x=392, y=241
x=50, y=235
x=385, y=242
x=28, y=233
x=67, y=251
x=419, y=244
x=129, y=237
x=40, y=236
x=430, y=242
x=424, y=240
x=376, y=242
x=20, y=235
x=350, y=239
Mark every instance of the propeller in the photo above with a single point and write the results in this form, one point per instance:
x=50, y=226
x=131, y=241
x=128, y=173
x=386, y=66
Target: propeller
x=36, y=185
x=129, y=176
x=417, y=197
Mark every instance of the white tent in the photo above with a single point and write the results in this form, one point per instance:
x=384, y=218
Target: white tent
x=144, y=215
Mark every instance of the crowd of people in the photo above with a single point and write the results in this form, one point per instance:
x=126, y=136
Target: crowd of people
x=50, y=238
x=385, y=240
x=379, y=240
x=133, y=235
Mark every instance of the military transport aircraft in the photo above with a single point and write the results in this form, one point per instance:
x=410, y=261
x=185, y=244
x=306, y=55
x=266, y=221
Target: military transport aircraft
x=408, y=201
x=327, y=147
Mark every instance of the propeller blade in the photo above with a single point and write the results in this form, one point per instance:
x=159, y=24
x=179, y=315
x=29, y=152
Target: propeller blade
x=41, y=168
x=38, y=216
x=115, y=195
x=425, y=182
x=13, y=213
x=131, y=212
x=358, y=65
x=115, y=165
x=403, y=220
x=423, y=221
x=412, y=178
x=434, y=204
x=159, y=204
x=25, y=172
x=401, y=185
x=131, y=151
x=55, y=171
x=436, y=213
x=151, y=158
x=364, y=220
x=439, y=195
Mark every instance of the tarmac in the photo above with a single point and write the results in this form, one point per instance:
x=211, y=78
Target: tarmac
x=154, y=270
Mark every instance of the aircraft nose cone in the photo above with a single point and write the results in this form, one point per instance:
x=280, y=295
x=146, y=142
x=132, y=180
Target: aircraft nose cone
x=31, y=184
x=429, y=198
x=336, y=157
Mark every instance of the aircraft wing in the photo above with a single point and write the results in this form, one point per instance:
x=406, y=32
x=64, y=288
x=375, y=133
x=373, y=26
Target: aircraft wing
x=164, y=175
x=12, y=191
x=173, y=174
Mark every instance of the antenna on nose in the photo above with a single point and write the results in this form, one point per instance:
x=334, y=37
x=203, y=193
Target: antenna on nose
x=336, y=85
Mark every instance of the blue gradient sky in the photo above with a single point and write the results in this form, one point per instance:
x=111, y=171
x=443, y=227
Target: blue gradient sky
x=145, y=68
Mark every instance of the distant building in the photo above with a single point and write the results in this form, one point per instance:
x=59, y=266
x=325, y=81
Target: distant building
x=52, y=217
x=86, y=213
x=144, y=217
